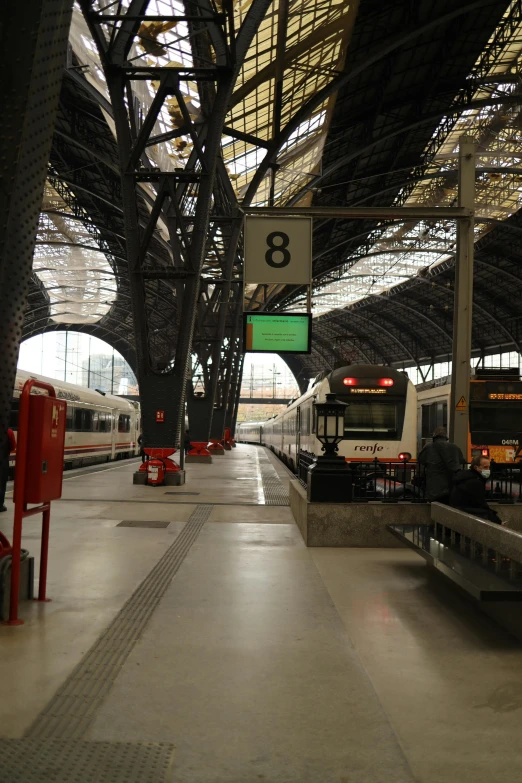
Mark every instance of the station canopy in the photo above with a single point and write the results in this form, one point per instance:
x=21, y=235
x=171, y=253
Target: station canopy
x=355, y=104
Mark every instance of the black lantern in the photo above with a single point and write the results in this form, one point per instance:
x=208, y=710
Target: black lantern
x=329, y=477
x=330, y=423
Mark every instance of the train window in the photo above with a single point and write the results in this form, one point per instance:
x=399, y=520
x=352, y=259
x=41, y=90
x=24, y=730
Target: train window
x=370, y=417
x=13, y=418
x=69, y=420
x=88, y=421
x=83, y=420
x=96, y=421
x=496, y=419
x=123, y=423
x=434, y=414
x=305, y=421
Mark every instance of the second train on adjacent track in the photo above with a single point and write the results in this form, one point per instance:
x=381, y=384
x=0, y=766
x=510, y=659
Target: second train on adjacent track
x=380, y=419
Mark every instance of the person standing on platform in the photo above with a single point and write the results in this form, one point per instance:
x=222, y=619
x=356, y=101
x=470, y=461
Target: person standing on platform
x=441, y=461
x=10, y=446
x=142, y=450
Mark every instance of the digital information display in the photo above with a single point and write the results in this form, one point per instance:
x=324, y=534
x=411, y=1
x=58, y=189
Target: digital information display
x=358, y=390
x=277, y=333
x=506, y=396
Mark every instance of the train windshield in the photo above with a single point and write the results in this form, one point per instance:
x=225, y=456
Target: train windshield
x=496, y=418
x=372, y=416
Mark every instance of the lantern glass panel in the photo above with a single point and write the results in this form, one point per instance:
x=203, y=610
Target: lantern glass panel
x=331, y=425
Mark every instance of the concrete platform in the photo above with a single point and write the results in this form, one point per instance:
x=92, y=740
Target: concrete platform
x=242, y=655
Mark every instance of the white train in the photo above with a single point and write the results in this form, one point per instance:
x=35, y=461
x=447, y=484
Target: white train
x=380, y=418
x=100, y=427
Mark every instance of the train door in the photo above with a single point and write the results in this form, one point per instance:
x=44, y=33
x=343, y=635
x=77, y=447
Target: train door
x=114, y=432
x=297, y=434
x=137, y=429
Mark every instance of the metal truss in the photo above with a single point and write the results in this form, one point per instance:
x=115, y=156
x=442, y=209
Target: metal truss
x=191, y=208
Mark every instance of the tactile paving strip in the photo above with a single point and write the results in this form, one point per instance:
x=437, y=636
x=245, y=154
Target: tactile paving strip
x=70, y=711
x=58, y=761
x=273, y=489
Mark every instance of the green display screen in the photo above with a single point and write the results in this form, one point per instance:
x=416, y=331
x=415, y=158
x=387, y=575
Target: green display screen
x=277, y=333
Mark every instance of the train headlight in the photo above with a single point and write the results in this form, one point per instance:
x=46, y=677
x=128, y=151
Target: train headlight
x=350, y=381
x=405, y=456
x=385, y=381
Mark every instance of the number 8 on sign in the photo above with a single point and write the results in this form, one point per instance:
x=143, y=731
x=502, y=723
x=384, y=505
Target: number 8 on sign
x=278, y=249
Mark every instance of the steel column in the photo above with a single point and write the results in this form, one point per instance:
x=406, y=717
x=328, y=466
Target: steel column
x=463, y=302
x=33, y=37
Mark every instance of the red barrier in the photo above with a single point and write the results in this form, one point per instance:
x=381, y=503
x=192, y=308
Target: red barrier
x=38, y=477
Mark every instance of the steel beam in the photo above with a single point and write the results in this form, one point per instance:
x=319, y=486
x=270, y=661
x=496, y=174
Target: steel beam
x=366, y=213
x=463, y=302
x=34, y=38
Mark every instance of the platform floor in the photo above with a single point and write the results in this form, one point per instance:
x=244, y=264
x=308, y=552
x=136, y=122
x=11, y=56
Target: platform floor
x=244, y=657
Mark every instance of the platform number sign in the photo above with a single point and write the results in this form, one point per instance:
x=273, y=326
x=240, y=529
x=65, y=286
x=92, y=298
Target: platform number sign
x=278, y=250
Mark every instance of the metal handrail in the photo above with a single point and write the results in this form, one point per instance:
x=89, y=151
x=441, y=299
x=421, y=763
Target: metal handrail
x=375, y=480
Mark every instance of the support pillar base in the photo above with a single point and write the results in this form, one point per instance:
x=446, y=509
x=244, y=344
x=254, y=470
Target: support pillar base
x=198, y=449
x=202, y=458
x=174, y=479
x=216, y=449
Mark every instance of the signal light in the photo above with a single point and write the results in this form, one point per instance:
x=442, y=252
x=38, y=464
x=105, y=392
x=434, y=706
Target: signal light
x=350, y=381
x=405, y=455
x=385, y=381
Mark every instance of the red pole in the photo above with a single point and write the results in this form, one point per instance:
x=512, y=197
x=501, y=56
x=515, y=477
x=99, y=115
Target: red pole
x=15, y=568
x=20, y=506
x=44, y=554
x=19, y=491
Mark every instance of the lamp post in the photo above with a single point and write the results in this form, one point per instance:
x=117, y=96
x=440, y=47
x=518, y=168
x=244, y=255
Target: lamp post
x=329, y=477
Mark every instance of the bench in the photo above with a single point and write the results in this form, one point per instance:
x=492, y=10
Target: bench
x=483, y=559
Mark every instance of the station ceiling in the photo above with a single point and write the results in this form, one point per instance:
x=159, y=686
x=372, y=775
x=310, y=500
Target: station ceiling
x=401, y=81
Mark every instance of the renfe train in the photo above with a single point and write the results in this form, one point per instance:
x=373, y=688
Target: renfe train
x=380, y=419
x=100, y=427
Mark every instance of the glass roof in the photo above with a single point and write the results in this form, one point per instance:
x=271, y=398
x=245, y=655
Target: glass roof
x=314, y=50
x=400, y=252
x=282, y=70
x=78, y=278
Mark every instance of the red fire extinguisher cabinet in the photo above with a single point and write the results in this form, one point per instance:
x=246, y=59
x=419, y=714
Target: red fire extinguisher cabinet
x=45, y=443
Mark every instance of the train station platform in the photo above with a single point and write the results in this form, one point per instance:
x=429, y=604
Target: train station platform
x=193, y=638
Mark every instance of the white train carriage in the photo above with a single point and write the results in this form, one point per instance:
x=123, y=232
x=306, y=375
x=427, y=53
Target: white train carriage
x=380, y=417
x=251, y=432
x=100, y=427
